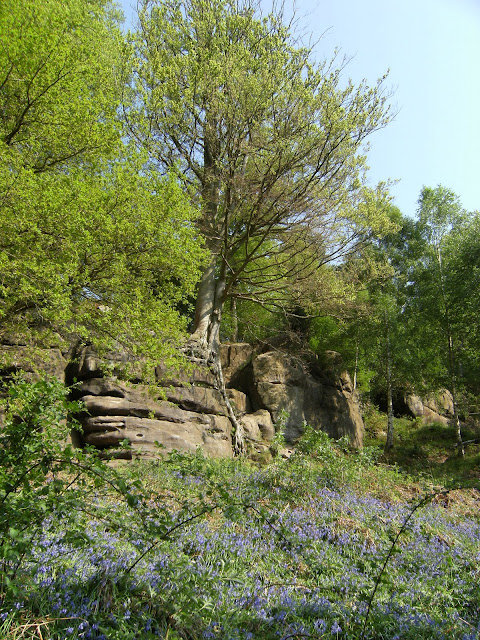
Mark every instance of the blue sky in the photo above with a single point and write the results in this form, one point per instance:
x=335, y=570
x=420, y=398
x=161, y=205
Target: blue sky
x=432, y=48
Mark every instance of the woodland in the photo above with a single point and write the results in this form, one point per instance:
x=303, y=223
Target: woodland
x=204, y=179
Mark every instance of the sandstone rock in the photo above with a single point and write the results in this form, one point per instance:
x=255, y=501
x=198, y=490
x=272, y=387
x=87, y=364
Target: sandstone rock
x=239, y=400
x=284, y=400
x=346, y=382
x=234, y=357
x=336, y=412
x=332, y=360
x=32, y=361
x=198, y=399
x=259, y=425
x=431, y=409
x=190, y=412
x=144, y=408
x=440, y=402
x=415, y=405
x=198, y=376
x=101, y=387
x=142, y=433
x=260, y=453
x=429, y=416
x=86, y=364
x=282, y=385
x=276, y=368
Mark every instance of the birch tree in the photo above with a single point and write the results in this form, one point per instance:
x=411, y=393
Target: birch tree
x=439, y=212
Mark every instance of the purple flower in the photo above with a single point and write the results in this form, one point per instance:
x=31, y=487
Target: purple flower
x=336, y=628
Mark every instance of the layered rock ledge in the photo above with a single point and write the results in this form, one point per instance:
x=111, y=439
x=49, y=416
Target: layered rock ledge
x=270, y=391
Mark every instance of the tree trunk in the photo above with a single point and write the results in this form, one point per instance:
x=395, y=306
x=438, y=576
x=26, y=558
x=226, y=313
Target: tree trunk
x=453, y=391
x=388, y=363
x=356, y=365
x=204, y=343
x=451, y=358
x=233, y=311
x=389, y=443
x=204, y=311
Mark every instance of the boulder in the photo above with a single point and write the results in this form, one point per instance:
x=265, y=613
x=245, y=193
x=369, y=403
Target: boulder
x=440, y=402
x=239, y=400
x=284, y=387
x=414, y=404
x=436, y=407
x=259, y=426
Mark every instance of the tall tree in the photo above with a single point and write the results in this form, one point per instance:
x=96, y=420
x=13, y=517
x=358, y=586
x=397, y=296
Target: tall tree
x=268, y=142
x=464, y=280
x=91, y=243
x=375, y=338
x=440, y=212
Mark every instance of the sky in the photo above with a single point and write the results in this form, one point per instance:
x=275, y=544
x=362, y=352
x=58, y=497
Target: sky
x=432, y=51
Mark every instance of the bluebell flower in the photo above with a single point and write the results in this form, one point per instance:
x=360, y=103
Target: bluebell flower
x=336, y=628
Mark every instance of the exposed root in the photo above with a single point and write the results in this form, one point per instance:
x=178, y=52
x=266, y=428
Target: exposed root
x=238, y=431
x=205, y=356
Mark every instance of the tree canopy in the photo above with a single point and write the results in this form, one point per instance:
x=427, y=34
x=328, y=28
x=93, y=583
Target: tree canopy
x=268, y=142
x=92, y=244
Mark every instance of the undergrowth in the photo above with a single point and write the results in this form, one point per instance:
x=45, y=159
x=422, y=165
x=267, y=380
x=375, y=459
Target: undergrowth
x=321, y=545
x=427, y=451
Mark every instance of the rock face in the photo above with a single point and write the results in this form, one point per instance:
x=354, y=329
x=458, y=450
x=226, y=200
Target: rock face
x=269, y=391
x=116, y=411
x=436, y=407
x=21, y=358
x=282, y=386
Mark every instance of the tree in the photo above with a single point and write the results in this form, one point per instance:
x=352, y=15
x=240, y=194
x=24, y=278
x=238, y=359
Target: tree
x=464, y=276
x=439, y=213
x=376, y=338
x=92, y=244
x=268, y=143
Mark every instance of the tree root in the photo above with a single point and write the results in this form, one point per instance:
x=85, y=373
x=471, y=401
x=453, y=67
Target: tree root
x=202, y=355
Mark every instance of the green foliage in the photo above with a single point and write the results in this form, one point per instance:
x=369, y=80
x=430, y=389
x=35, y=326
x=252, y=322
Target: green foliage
x=124, y=257
x=183, y=555
x=60, y=66
x=93, y=245
x=463, y=255
x=252, y=321
x=33, y=452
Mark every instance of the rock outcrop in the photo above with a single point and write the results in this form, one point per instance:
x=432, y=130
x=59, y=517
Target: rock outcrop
x=117, y=411
x=436, y=407
x=283, y=386
x=16, y=358
x=185, y=410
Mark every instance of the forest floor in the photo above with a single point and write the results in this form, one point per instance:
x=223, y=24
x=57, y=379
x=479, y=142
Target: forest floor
x=428, y=451
x=327, y=544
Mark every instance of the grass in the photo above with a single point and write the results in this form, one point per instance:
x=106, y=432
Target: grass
x=294, y=549
x=427, y=451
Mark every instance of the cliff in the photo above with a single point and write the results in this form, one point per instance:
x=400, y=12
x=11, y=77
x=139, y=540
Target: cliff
x=270, y=391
